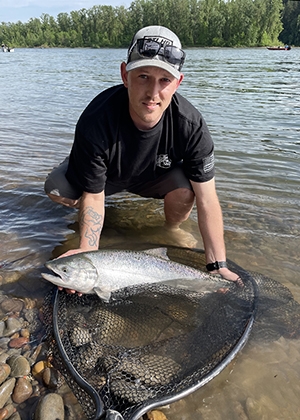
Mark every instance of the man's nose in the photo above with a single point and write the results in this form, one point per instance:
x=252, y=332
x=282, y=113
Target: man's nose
x=153, y=88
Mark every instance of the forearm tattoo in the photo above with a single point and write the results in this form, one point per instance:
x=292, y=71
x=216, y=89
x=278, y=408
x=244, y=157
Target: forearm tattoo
x=91, y=224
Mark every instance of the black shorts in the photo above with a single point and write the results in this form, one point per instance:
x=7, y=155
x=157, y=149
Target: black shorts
x=57, y=184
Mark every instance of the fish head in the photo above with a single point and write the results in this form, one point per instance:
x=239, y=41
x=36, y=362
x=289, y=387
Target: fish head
x=75, y=272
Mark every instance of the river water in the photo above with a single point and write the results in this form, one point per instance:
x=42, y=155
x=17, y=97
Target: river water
x=250, y=99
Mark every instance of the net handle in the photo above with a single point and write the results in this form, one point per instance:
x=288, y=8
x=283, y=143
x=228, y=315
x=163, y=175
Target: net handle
x=99, y=406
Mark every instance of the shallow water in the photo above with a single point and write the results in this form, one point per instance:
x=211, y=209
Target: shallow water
x=250, y=99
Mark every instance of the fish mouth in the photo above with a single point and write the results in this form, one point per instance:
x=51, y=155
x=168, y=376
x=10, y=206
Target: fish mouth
x=52, y=277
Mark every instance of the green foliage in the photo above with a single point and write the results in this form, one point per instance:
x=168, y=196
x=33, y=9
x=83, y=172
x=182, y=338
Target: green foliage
x=291, y=23
x=197, y=23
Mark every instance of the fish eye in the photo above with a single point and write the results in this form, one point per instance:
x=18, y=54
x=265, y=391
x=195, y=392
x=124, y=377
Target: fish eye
x=65, y=269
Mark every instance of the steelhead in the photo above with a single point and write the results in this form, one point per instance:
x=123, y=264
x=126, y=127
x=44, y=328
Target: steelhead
x=103, y=272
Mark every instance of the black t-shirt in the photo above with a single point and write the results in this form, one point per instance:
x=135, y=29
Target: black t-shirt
x=108, y=146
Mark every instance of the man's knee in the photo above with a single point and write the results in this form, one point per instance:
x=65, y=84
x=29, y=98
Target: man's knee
x=58, y=188
x=181, y=195
x=68, y=202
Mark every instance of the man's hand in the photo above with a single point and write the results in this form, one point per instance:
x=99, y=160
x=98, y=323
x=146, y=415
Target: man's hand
x=73, y=252
x=229, y=275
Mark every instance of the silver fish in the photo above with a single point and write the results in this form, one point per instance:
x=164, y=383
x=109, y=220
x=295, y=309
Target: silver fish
x=103, y=272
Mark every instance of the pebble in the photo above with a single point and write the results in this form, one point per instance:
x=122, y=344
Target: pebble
x=3, y=413
x=4, y=341
x=50, y=377
x=3, y=357
x=155, y=415
x=6, y=390
x=73, y=409
x=38, y=369
x=7, y=412
x=9, y=305
x=19, y=366
x=15, y=416
x=22, y=391
x=18, y=342
x=32, y=317
x=25, y=332
x=12, y=325
x=39, y=353
x=4, y=372
x=50, y=407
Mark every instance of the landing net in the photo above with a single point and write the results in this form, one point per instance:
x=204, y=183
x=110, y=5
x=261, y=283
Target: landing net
x=152, y=344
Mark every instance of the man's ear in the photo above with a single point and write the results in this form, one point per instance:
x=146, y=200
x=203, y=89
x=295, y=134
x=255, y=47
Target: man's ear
x=180, y=80
x=124, y=74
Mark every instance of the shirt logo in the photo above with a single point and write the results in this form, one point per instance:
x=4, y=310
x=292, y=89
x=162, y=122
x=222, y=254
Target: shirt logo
x=163, y=161
x=208, y=163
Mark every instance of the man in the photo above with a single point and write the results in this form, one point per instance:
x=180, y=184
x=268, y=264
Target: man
x=143, y=137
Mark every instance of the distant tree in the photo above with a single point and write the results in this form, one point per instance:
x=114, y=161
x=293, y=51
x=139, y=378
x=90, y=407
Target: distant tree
x=291, y=23
x=197, y=23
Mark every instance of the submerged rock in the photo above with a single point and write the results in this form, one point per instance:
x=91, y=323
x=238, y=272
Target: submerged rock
x=12, y=325
x=4, y=372
x=6, y=390
x=50, y=407
x=19, y=366
x=7, y=411
x=22, y=390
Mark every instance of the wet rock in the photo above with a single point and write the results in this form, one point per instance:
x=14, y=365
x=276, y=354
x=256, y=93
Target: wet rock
x=50, y=377
x=4, y=413
x=4, y=372
x=12, y=325
x=14, y=352
x=10, y=305
x=50, y=407
x=11, y=277
x=155, y=415
x=36, y=390
x=6, y=390
x=19, y=342
x=4, y=342
x=3, y=357
x=73, y=409
x=39, y=352
x=30, y=303
x=19, y=366
x=22, y=390
x=15, y=416
x=32, y=317
x=38, y=369
x=25, y=332
x=7, y=411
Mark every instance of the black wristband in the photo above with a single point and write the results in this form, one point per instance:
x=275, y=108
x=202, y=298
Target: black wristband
x=216, y=265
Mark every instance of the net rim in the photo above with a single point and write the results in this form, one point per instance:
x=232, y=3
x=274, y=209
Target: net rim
x=141, y=409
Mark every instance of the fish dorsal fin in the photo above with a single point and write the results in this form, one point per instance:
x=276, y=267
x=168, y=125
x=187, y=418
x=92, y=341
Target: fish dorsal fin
x=103, y=294
x=158, y=252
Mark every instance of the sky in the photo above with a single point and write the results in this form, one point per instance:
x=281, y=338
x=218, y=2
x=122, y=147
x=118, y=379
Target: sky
x=23, y=10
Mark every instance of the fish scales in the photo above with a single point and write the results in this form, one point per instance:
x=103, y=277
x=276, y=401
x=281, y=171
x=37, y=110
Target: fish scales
x=104, y=272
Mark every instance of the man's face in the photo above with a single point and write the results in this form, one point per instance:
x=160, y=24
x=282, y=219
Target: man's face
x=150, y=90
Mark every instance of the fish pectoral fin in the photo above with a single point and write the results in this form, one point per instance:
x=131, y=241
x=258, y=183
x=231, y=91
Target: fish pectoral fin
x=103, y=294
x=158, y=252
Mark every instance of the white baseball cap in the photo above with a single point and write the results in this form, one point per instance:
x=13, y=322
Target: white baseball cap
x=156, y=46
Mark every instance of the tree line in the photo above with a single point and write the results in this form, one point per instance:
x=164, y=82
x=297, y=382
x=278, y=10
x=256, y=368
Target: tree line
x=228, y=23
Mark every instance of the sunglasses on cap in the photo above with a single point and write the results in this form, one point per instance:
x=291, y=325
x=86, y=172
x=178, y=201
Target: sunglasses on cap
x=149, y=48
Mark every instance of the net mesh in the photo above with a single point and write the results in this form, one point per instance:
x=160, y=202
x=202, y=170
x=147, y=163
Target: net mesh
x=151, y=344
